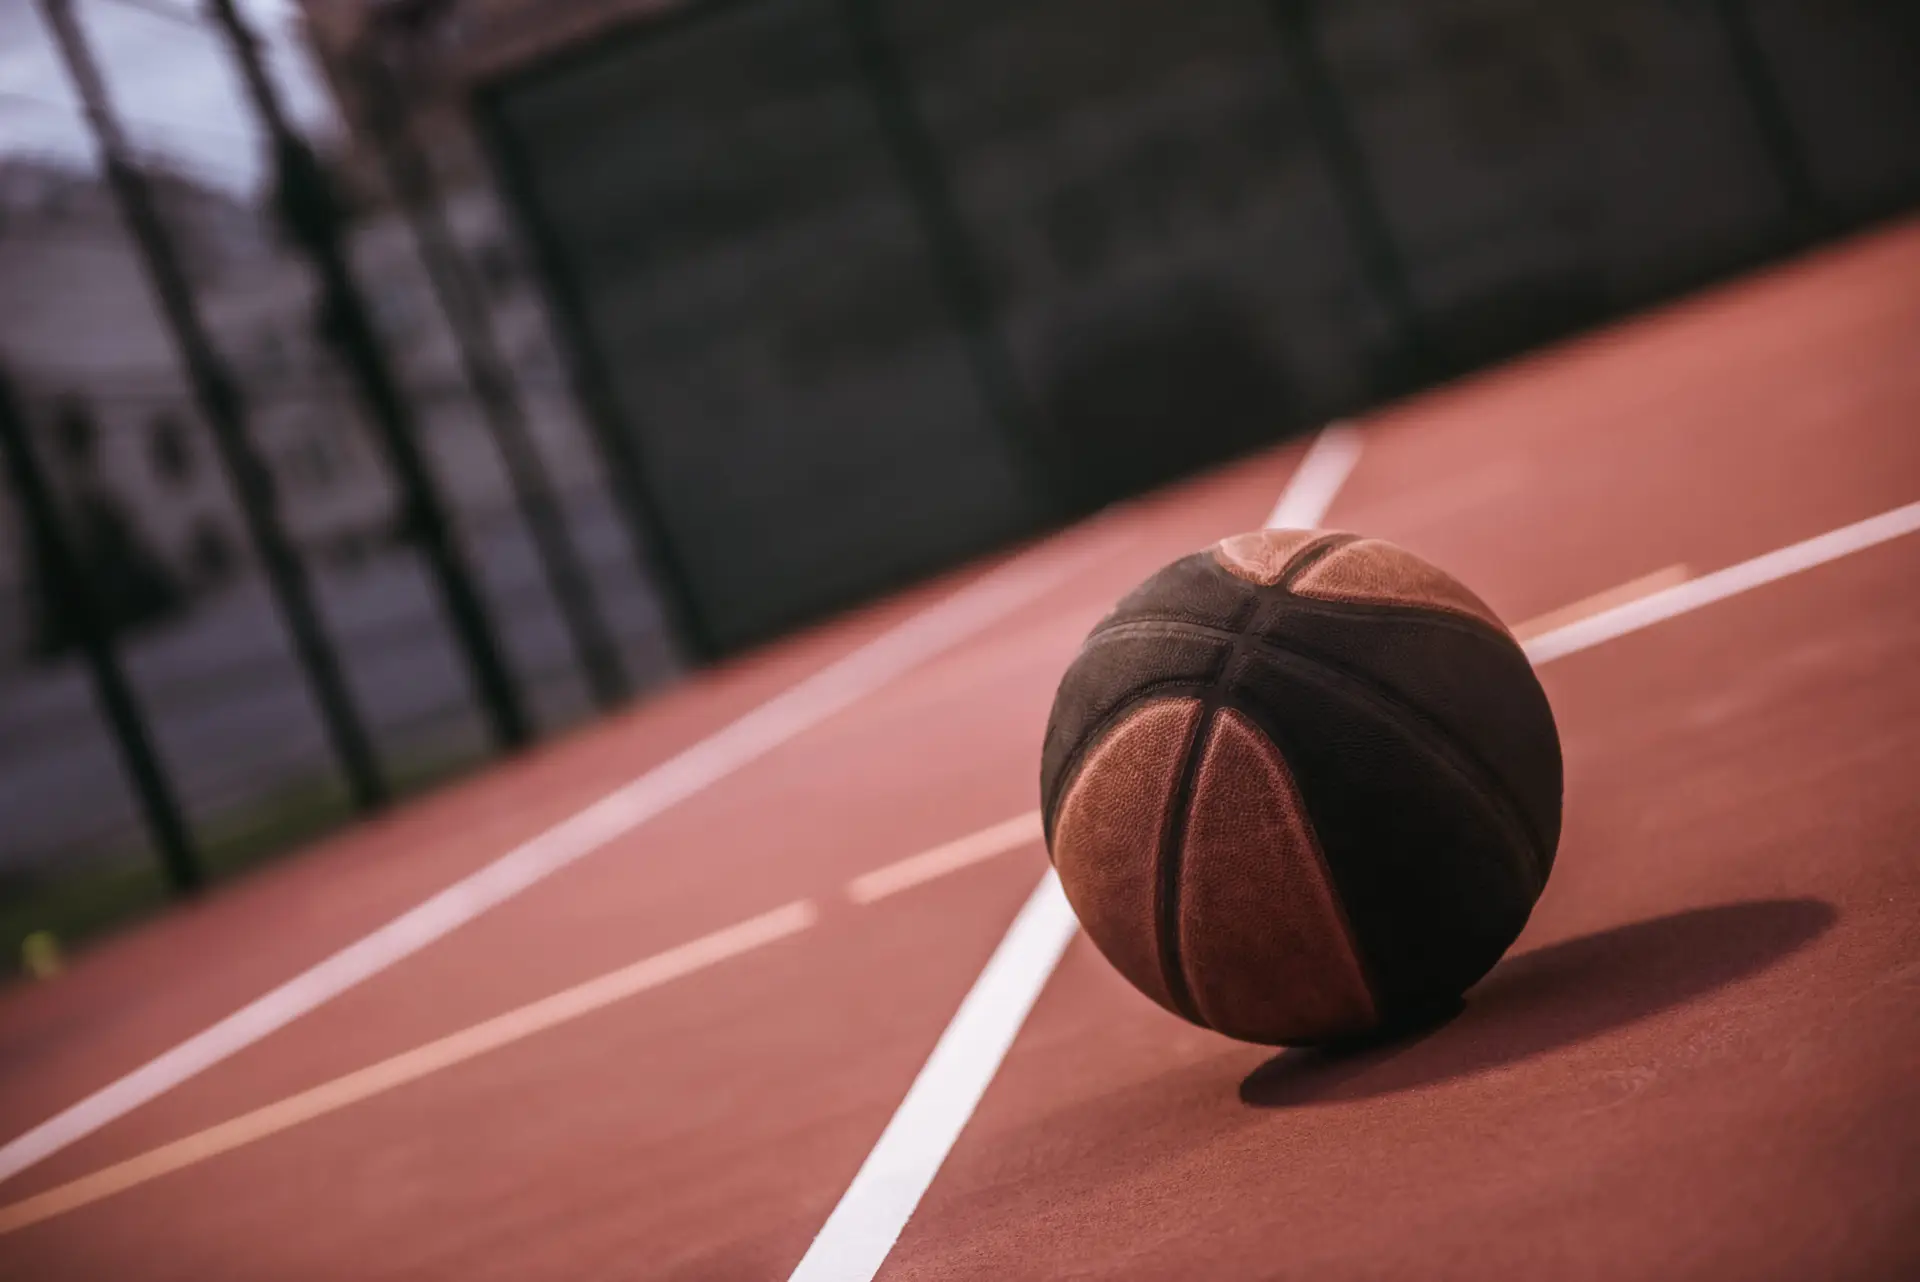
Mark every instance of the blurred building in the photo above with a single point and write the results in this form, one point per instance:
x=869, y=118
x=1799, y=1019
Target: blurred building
x=103, y=386
x=99, y=380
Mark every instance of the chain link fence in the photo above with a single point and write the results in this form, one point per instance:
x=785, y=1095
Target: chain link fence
x=144, y=554
x=323, y=483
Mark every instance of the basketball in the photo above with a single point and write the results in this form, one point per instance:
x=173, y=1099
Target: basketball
x=1301, y=787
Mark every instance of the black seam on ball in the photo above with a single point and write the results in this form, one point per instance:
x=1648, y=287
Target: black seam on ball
x=1166, y=891
x=1070, y=768
x=1116, y=623
x=1390, y=611
x=1307, y=556
x=1173, y=969
x=1443, y=746
x=1365, y=611
x=1493, y=783
x=1479, y=772
x=1158, y=626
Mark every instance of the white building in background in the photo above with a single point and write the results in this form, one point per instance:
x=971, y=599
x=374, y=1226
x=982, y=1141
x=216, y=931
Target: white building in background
x=83, y=341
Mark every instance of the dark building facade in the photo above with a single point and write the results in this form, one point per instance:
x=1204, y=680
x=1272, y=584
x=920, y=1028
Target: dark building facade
x=863, y=286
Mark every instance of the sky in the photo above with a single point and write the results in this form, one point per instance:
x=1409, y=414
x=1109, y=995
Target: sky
x=173, y=84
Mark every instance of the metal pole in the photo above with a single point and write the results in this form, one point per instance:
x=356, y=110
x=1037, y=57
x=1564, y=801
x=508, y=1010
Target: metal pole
x=224, y=409
x=414, y=187
x=594, y=388
x=62, y=565
x=1806, y=213
x=1381, y=261
x=950, y=249
x=313, y=216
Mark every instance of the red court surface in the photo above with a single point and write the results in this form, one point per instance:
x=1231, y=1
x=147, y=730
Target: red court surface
x=1701, y=1061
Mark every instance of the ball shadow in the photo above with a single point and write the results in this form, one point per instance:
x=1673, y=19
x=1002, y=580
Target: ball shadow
x=1551, y=997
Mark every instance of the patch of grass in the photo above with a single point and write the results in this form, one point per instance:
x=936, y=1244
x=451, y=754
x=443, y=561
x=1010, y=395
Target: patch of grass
x=83, y=900
x=72, y=905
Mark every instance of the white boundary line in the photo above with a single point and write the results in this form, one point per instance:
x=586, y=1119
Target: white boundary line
x=856, y=1238
x=872, y=1213
x=411, y=1065
x=780, y=719
x=954, y=855
x=1310, y=491
x=1632, y=590
x=859, y=1234
x=1584, y=634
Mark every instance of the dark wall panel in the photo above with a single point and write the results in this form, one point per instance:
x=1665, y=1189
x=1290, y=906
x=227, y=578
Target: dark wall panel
x=1544, y=164
x=875, y=283
x=1168, y=265
x=758, y=297
x=1849, y=73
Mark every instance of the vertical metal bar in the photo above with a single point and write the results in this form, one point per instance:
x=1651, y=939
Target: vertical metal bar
x=313, y=216
x=1345, y=159
x=414, y=187
x=165, y=822
x=224, y=409
x=956, y=263
x=593, y=384
x=1772, y=120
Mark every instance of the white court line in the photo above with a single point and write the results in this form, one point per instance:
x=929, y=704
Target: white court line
x=1583, y=634
x=1309, y=493
x=856, y=1238
x=872, y=1213
x=907, y=873
x=1632, y=590
x=412, y=1065
x=780, y=719
x=863, y=1227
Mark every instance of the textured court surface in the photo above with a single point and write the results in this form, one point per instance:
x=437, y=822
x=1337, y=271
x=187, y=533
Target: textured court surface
x=1701, y=1061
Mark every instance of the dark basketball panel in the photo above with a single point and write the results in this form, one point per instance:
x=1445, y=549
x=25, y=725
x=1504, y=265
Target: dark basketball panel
x=1194, y=589
x=1264, y=942
x=1433, y=873
x=1107, y=839
x=1474, y=686
x=1110, y=673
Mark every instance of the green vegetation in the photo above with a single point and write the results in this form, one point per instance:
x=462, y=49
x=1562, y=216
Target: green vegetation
x=62, y=907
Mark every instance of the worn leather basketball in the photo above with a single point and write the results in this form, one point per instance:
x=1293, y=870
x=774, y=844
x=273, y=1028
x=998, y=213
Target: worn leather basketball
x=1301, y=786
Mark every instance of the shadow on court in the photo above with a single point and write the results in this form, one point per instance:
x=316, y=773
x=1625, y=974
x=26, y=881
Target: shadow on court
x=1551, y=997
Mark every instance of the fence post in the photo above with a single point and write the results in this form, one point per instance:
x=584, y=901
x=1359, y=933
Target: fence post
x=1345, y=161
x=410, y=175
x=594, y=390
x=40, y=511
x=224, y=409
x=956, y=264
x=1806, y=213
x=313, y=216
